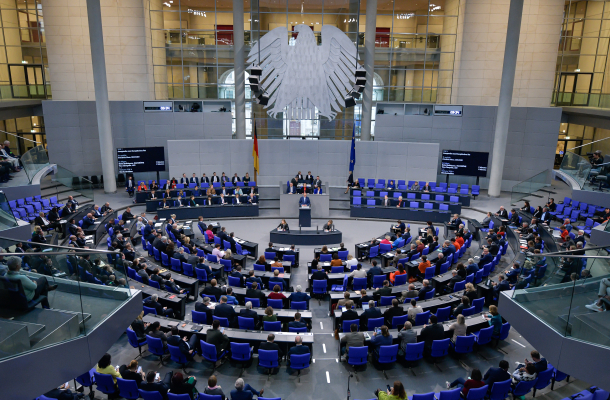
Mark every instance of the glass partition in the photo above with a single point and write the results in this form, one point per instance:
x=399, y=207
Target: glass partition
x=34, y=160
x=88, y=286
x=576, y=166
x=566, y=296
x=529, y=186
x=7, y=219
x=79, y=184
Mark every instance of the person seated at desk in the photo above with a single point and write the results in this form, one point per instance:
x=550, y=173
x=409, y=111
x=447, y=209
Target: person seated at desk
x=276, y=278
x=426, y=188
x=230, y=298
x=249, y=313
x=255, y=292
x=385, y=290
x=415, y=186
x=383, y=339
x=500, y=286
x=400, y=227
x=527, y=374
x=329, y=226
x=373, y=271
x=196, y=192
x=423, y=265
x=283, y=227
x=251, y=278
x=399, y=202
x=358, y=272
x=276, y=294
x=297, y=323
x=353, y=338
x=88, y=220
x=153, y=302
x=236, y=199
x=224, y=310
x=336, y=262
x=299, y=295
x=455, y=278
x=391, y=185
x=222, y=201
x=252, y=198
x=546, y=216
x=394, y=311
x=502, y=213
x=342, y=302
x=371, y=312
x=210, y=192
x=165, y=204
x=191, y=202
x=142, y=186
x=455, y=222
x=276, y=263
x=317, y=183
x=291, y=188
x=217, y=338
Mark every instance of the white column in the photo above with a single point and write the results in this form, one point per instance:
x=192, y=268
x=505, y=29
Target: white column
x=369, y=64
x=506, y=96
x=240, y=76
x=102, y=106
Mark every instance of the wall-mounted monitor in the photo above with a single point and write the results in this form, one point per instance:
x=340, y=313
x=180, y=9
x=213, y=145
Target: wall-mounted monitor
x=461, y=162
x=141, y=159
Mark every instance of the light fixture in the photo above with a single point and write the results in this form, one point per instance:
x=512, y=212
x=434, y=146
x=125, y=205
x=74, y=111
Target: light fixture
x=577, y=70
x=24, y=62
x=567, y=137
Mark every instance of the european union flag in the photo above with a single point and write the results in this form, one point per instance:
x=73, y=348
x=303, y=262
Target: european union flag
x=352, y=158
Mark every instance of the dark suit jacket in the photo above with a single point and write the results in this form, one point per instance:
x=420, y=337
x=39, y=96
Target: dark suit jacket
x=348, y=315
x=495, y=374
x=384, y=291
x=245, y=313
x=271, y=346
x=319, y=275
x=368, y=314
x=225, y=311
x=214, y=291
x=432, y=332
x=218, y=339
x=423, y=291
x=255, y=294
x=155, y=387
x=391, y=313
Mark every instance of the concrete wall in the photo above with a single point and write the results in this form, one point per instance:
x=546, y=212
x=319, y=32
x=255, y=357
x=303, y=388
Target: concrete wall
x=73, y=138
x=532, y=137
x=280, y=160
x=479, y=53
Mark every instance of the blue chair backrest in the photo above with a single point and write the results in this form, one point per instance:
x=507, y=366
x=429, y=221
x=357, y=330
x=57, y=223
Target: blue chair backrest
x=468, y=311
x=347, y=324
x=440, y=348
x=234, y=281
x=223, y=321
x=477, y=394
x=485, y=335
x=414, y=351
x=387, y=354
x=268, y=358
x=146, y=395
x=128, y=388
x=149, y=310
x=524, y=387
x=423, y=396
x=297, y=330
x=319, y=286
x=387, y=300
x=274, y=326
x=298, y=305
x=104, y=382
x=459, y=286
x=361, y=283
x=430, y=294
x=443, y=314
x=176, y=355
x=172, y=396
x=400, y=280
x=500, y=390
x=275, y=303
x=290, y=258
x=299, y=361
x=358, y=355
x=245, y=323
x=453, y=394
x=373, y=323
x=325, y=257
x=255, y=301
x=478, y=304
x=422, y=318
x=464, y=344
x=399, y=321
x=199, y=317
x=343, y=254
x=378, y=280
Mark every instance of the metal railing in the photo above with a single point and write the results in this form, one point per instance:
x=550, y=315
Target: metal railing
x=577, y=167
x=75, y=182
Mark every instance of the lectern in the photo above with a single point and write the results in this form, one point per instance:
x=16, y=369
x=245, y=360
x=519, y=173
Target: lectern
x=305, y=217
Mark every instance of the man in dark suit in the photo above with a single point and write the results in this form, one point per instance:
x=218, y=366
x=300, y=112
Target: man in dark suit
x=297, y=323
x=270, y=345
x=546, y=216
x=202, y=306
x=162, y=244
x=153, y=302
x=432, y=332
x=96, y=211
x=425, y=289
x=385, y=290
x=231, y=239
x=373, y=271
x=213, y=290
x=224, y=310
x=130, y=186
x=317, y=183
x=309, y=177
x=127, y=215
x=371, y=312
x=255, y=293
x=349, y=314
x=499, y=374
x=217, y=338
x=187, y=347
x=319, y=274
x=43, y=222
x=223, y=234
x=299, y=348
x=151, y=385
x=439, y=261
x=251, y=278
x=486, y=258
x=154, y=330
x=304, y=201
x=455, y=222
x=235, y=179
x=394, y=311
x=249, y=313
x=215, y=178
x=299, y=295
x=236, y=273
x=455, y=278
x=204, y=179
x=291, y=188
x=502, y=213
x=501, y=285
x=184, y=179
x=224, y=179
x=88, y=221
x=194, y=179
x=149, y=231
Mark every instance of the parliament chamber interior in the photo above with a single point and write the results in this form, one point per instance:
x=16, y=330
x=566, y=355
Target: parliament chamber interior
x=321, y=199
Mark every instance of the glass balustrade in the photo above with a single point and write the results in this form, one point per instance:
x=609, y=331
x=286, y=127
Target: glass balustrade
x=34, y=160
x=529, y=186
x=577, y=167
x=566, y=296
x=90, y=286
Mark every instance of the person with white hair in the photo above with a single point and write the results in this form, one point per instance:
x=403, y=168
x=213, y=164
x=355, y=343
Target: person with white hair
x=299, y=295
x=244, y=391
x=139, y=224
x=32, y=289
x=153, y=302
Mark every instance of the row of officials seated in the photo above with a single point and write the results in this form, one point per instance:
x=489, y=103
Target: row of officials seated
x=194, y=201
x=204, y=181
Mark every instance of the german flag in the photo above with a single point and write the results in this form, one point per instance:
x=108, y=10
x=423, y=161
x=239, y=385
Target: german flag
x=255, y=149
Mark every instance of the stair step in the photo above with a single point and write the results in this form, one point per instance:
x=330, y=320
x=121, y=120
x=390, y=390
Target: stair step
x=54, y=191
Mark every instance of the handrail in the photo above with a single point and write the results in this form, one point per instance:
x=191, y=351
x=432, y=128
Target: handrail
x=72, y=250
x=19, y=137
x=583, y=145
x=520, y=191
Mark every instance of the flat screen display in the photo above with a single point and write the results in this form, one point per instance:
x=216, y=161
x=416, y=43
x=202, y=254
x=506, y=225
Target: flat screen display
x=469, y=163
x=141, y=159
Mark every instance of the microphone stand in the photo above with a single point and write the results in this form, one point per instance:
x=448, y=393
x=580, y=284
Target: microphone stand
x=348, y=378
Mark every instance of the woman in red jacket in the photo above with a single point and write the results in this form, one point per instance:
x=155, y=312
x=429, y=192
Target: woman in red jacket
x=475, y=381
